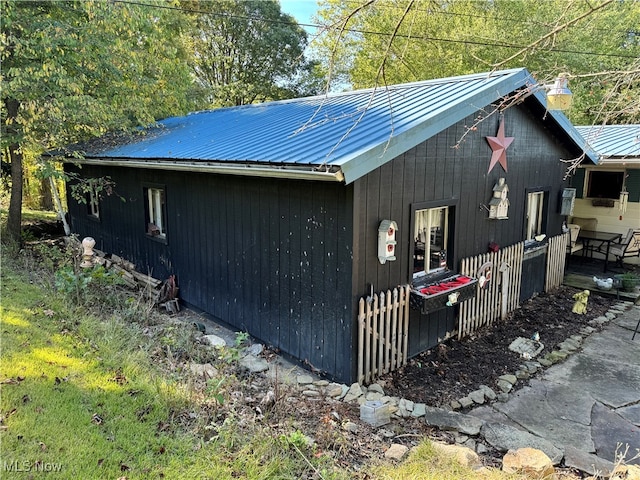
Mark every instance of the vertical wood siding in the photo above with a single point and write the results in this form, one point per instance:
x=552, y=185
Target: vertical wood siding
x=272, y=257
x=440, y=169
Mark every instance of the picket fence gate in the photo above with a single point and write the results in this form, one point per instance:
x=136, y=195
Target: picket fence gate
x=383, y=333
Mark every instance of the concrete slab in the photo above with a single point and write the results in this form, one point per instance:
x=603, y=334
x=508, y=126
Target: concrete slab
x=609, y=430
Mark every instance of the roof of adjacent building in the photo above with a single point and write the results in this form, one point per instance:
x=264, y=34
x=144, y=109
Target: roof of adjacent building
x=613, y=143
x=339, y=136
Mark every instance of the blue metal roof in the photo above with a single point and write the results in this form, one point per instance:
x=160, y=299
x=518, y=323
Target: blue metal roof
x=352, y=132
x=613, y=143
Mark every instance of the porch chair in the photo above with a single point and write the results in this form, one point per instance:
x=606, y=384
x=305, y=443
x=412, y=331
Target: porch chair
x=574, y=245
x=628, y=247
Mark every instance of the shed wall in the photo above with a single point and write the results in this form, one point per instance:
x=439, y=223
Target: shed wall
x=443, y=169
x=267, y=256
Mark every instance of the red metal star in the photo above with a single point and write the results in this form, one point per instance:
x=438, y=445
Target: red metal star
x=499, y=145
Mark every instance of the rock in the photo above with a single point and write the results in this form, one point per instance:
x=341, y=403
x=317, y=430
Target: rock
x=254, y=364
x=374, y=387
x=311, y=393
x=481, y=448
x=255, y=349
x=586, y=462
x=334, y=390
x=396, y=451
x=463, y=455
x=373, y=396
x=465, y=402
x=512, y=379
x=419, y=409
x=214, y=340
x=354, y=392
x=477, y=396
x=203, y=369
x=504, y=438
x=505, y=386
x=447, y=420
x=350, y=427
x=545, y=362
x=321, y=383
x=529, y=461
x=455, y=405
x=488, y=392
x=304, y=380
x=502, y=397
x=522, y=374
x=625, y=472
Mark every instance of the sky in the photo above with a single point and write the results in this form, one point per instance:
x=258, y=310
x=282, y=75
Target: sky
x=301, y=10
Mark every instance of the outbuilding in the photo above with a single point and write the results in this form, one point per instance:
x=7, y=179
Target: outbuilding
x=278, y=219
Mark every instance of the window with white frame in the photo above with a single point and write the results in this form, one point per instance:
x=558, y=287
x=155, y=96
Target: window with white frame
x=93, y=203
x=156, y=212
x=431, y=236
x=535, y=214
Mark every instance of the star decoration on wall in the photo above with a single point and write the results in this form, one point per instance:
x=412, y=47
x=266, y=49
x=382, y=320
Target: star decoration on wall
x=499, y=145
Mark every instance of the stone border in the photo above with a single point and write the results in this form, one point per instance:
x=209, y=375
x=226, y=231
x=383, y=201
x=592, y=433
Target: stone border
x=470, y=431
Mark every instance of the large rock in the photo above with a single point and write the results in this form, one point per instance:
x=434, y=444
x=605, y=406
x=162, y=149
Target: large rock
x=626, y=472
x=396, y=451
x=529, y=461
x=447, y=420
x=203, y=370
x=505, y=438
x=214, y=340
x=254, y=364
x=586, y=462
x=463, y=455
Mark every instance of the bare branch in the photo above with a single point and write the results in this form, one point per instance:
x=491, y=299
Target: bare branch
x=552, y=34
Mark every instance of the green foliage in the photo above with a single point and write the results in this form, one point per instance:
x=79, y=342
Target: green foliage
x=73, y=70
x=84, y=285
x=215, y=389
x=296, y=439
x=248, y=51
x=241, y=339
x=395, y=42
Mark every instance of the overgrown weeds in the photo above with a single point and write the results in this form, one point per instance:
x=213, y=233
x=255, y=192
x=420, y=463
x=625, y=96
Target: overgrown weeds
x=81, y=361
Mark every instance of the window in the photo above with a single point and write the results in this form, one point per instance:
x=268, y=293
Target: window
x=431, y=236
x=536, y=213
x=603, y=184
x=93, y=205
x=156, y=212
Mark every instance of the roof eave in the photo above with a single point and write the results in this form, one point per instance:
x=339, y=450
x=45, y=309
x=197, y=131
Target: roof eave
x=243, y=169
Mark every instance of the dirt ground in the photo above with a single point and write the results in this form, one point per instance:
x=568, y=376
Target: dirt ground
x=455, y=368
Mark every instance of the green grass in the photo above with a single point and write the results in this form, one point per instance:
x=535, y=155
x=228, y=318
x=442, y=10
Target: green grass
x=82, y=395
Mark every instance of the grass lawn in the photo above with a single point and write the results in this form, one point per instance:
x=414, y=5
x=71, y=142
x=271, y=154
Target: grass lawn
x=81, y=399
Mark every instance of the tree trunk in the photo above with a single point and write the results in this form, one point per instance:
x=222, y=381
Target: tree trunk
x=46, y=198
x=14, y=218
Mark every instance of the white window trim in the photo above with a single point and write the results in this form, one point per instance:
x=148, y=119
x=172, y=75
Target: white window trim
x=535, y=200
x=94, y=204
x=427, y=243
x=156, y=210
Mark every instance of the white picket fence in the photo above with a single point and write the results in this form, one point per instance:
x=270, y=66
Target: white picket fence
x=383, y=333
x=383, y=318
